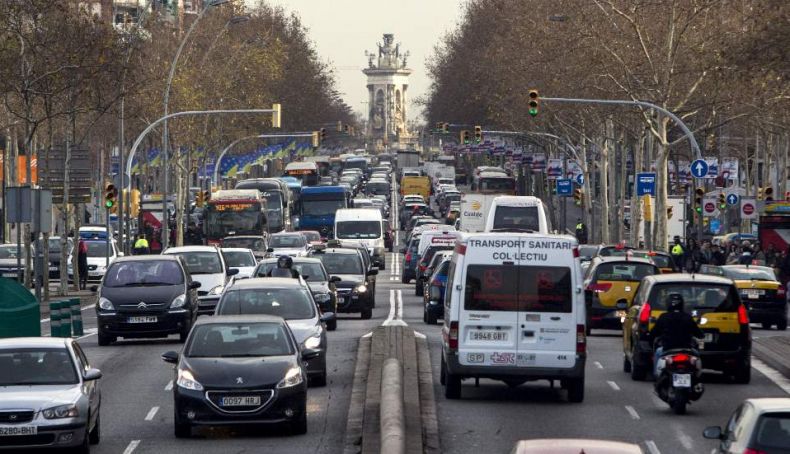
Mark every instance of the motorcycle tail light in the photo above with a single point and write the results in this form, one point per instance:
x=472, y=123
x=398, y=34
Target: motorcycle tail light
x=680, y=358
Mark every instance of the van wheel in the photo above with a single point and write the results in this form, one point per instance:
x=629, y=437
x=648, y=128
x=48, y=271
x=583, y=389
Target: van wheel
x=782, y=325
x=626, y=364
x=765, y=325
x=443, y=373
x=452, y=386
x=105, y=340
x=366, y=314
x=575, y=387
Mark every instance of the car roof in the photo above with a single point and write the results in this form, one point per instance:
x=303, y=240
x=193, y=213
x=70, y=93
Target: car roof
x=257, y=237
x=770, y=404
x=175, y=250
x=295, y=260
x=621, y=258
x=33, y=342
x=237, y=249
x=688, y=278
x=267, y=282
x=287, y=234
x=146, y=258
x=341, y=250
x=246, y=318
x=567, y=446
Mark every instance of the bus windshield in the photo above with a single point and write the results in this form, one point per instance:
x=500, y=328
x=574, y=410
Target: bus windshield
x=222, y=221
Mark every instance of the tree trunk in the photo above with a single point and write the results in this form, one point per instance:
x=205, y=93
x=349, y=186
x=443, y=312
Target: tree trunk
x=604, y=175
x=660, y=213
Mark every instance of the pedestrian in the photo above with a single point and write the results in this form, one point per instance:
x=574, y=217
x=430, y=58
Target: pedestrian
x=718, y=257
x=581, y=231
x=746, y=257
x=758, y=255
x=141, y=246
x=678, y=254
x=785, y=266
x=733, y=254
x=82, y=263
x=693, y=256
x=771, y=256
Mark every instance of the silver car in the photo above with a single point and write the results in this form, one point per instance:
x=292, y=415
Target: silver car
x=49, y=394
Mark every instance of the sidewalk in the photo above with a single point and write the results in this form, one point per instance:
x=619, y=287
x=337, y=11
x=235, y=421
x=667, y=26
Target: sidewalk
x=774, y=351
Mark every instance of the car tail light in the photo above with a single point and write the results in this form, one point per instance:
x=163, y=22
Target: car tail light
x=460, y=249
x=581, y=339
x=575, y=252
x=753, y=451
x=781, y=291
x=644, y=314
x=408, y=257
x=743, y=316
x=452, y=336
x=599, y=287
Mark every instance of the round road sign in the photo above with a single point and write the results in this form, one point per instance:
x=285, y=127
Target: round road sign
x=710, y=207
x=748, y=208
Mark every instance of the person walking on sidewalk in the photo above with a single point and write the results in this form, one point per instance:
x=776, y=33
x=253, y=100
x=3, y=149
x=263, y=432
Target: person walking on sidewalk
x=82, y=263
x=141, y=245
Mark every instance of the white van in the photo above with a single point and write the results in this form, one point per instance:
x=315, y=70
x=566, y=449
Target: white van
x=363, y=225
x=434, y=237
x=510, y=213
x=514, y=311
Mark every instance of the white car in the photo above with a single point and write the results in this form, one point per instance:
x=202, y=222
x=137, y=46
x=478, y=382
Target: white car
x=289, y=243
x=97, y=259
x=240, y=259
x=757, y=425
x=207, y=266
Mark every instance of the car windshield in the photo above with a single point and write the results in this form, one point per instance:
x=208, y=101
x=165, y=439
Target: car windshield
x=202, y=262
x=256, y=244
x=696, y=296
x=772, y=432
x=287, y=241
x=624, y=271
x=37, y=366
x=219, y=340
x=312, y=235
x=341, y=263
x=738, y=273
x=358, y=229
x=144, y=273
x=380, y=187
x=322, y=207
x=9, y=252
x=311, y=272
x=97, y=248
x=288, y=303
x=238, y=259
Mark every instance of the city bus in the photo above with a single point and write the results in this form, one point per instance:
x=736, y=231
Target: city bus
x=304, y=171
x=279, y=206
x=488, y=182
x=235, y=212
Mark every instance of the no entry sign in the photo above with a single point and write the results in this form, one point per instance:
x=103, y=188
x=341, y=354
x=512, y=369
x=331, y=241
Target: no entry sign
x=709, y=207
x=748, y=209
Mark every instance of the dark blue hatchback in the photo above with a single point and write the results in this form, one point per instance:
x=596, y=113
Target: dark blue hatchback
x=434, y=297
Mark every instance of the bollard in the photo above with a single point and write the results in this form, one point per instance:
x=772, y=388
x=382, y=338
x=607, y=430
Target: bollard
x=392, y=422
x=65, y=318
x=76, y=317
x=54, y=318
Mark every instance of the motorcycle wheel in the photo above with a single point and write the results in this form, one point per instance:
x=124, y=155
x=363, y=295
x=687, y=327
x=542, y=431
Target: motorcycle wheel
x=678, y=401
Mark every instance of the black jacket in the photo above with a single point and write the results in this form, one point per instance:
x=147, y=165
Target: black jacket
x=283, y=272
x=676, y=330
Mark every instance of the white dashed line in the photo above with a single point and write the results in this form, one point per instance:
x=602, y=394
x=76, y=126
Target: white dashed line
x=131, y=447
x=613, y=385
x=151, y=414
x=651, y=447
x=598, y=365
x=684, y=439
x=399, y=306
x=632, y=411
x=169, y=386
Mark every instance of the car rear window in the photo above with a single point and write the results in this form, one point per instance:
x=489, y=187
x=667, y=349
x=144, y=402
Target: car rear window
x=518, y=288
x=290, y=304
x=696, y=296
x=746, y=274
x=624, y=271
x=772, y=432
x=431, y=251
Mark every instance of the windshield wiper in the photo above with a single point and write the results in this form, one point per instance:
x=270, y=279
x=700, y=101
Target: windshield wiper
x=512, y=229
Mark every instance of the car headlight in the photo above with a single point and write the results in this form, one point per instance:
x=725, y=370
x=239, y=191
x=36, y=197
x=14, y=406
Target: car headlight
x=61, y=411
x=187, y=380
x=216, y=290
x=313, y=341
x=361, y=288
x=322, y=297
x=178, y=301
x=105, y=304
x=292, y=378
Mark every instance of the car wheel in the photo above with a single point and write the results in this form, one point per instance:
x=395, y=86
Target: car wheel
x=182, y=335
x=319, y=380
x=418, y=287
x=432, y=319
x=366, y=314
x=403, y=279
x=383, y=266
x=331, y=325
x=638, y=372
x=443, y=373
x=452, y=386
x=743, y=375
x=299, y=427
x=94, y=436
x=765, y=325
x=181, y=429
x=84, y=447
x=782, y=325
x=514, y=383
x=575, y=387
x=425, y=315
x=626, y=364
x=105, y=340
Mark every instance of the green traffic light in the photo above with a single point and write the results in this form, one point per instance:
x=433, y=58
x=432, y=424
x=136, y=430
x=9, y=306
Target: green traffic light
x=699, y=210
x=533, y=112
x=108, y=204
x=722, y=206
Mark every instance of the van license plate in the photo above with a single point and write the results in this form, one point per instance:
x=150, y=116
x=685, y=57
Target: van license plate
x=496, y=336
x=142, y=320
x=10, y=431
x=681, y=380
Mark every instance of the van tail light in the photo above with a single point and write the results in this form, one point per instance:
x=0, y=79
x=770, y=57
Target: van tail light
x=581, y=339
x=599, y=287
x=460, y=249
x=644, y=314
x=781, y=292
x=743, y=316
x=452, y=336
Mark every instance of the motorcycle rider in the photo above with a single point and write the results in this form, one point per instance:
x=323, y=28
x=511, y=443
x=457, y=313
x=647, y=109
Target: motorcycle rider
x=674, y=329
x=284, y=268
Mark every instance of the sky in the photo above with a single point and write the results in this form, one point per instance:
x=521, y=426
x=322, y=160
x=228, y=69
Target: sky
x=343, y=29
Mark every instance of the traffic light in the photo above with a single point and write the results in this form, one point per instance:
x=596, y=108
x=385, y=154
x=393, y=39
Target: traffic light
x=438, y=127
x=323, y=134
x=478, y=134
x=277, y=115
x=347, y=129
x=465, y=137
x=534, y=102
x=768, y=192
x=722, y=201
x=110, y=195
x=699, y=193
x=445, y=127
x=578, y=196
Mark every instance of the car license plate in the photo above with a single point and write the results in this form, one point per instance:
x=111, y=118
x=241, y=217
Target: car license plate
x=753, y=294
x=708, y=337
x=240, y=401
x=495, y=336
x=10, y=431
x=681, y=380
x=147, y=319
x=341, y=300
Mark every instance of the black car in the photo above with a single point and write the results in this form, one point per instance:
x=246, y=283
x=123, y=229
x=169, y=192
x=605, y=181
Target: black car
x=146, y=296
x=322, y=287
x=240, y=370
x=353, y=294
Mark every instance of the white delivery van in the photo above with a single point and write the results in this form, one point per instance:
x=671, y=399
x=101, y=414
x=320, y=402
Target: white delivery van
x=514, y=311
x=474, y=211
x=363, y=225
x=510, y=213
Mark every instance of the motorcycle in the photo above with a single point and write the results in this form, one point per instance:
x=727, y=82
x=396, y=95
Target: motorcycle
x=679, y=378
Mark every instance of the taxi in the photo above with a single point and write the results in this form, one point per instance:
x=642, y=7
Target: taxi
x=662, y=260
x=609, y=288
x=765, y=297
x=715, y=304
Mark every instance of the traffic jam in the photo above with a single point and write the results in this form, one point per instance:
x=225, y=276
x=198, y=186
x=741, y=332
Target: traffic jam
x=246, y=316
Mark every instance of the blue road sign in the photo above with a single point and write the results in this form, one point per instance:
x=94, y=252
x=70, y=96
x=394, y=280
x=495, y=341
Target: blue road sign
x=564, y=187
x=580, y=179
x=732, y=199
x=715, y=226
x=645, y=184
x=699, y=168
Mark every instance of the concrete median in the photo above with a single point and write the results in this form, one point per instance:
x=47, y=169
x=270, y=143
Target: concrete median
x=392, y=421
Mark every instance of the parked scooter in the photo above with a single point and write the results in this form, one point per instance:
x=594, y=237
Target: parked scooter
x=678, y=381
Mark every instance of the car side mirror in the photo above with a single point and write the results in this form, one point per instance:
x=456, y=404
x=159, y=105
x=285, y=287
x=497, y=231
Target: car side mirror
x=232, y=271
x=373, y=271
x=121, y=254
x=92, y=374
x=309, y=353
x=170, y=357
x=327, y=316
x=335, y=279
x=194, y=285
x=712, y=433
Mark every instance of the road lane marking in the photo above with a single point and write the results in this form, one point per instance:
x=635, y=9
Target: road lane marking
x=632, y=411
x=613, y=385
x=151, y=413
x=598, y=365
x=399, y=306
x=131, y=447
x=169, y=386
x=651, y=447
x=396, y=309
x=684, y=439
x=391, y=315
x=772, y=374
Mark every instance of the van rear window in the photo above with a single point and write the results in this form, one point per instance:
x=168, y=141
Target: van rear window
x=518, y=288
